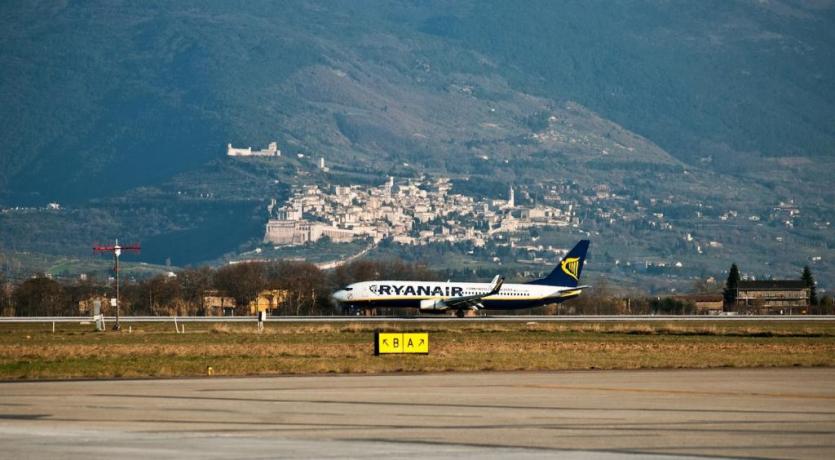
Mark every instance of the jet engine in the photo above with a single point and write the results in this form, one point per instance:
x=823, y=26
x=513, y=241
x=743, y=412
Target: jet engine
x=430, y=305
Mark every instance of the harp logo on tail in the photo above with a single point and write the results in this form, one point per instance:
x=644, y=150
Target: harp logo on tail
x=570, y=267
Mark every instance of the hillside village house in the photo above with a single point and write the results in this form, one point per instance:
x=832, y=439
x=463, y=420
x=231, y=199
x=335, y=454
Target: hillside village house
x=268, y=300
x=216, y=304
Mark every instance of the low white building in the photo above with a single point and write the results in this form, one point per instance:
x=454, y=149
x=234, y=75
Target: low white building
x=291, y=232
x=271, y=151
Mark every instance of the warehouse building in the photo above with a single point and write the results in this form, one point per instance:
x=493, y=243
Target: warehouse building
x=772, y=297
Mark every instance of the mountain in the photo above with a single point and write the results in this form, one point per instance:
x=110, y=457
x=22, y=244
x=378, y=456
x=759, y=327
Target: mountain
x=709, y=78
x=121, y=111
x=97, y=89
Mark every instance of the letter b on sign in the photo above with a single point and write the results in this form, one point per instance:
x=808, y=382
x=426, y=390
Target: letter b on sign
x=388, y=342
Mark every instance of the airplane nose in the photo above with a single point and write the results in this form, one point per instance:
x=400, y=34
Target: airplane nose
x=340, y=295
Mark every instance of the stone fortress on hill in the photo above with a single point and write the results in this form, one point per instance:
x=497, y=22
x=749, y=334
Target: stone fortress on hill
x=271, y=151
x=411, y=212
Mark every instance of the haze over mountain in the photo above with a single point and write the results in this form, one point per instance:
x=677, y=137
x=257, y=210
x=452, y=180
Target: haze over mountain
x=730, y=101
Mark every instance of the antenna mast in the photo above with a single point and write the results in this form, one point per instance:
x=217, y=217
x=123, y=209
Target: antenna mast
x=117, y=251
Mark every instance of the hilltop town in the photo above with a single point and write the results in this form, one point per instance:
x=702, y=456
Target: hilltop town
x=526, y=226
x=410, y=212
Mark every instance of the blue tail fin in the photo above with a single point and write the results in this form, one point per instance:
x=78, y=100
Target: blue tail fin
x=567, y=273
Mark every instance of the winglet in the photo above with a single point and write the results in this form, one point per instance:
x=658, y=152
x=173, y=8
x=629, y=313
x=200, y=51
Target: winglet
x=496, y=285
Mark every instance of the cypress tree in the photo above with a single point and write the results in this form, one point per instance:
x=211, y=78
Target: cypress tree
x=731, y=285
x=810, y=283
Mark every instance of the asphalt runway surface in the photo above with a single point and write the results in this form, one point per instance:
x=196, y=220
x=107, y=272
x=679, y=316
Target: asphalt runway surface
x=753, y=413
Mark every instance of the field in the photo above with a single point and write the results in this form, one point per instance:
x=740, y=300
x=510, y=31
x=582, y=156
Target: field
x=33, y=351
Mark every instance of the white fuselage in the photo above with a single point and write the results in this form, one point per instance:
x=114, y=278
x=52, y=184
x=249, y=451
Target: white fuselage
x=430, y=295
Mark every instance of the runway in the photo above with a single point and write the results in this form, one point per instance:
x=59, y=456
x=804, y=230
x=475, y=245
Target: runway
x=771, y=413
x=428, y=318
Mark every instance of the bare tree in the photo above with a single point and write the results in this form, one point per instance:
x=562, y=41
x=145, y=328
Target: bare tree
x=597, y=300
x=41, y=296
x=308, y=288
x=242, y=281
x=6, y=290
x=194, y=282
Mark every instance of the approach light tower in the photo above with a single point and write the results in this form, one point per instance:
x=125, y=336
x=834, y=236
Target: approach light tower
x=117, y=251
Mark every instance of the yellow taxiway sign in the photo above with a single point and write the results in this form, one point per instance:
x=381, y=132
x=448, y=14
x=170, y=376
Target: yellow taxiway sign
x=401, y=342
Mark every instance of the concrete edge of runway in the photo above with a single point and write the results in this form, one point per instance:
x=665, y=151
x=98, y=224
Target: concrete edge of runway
x=403, y=374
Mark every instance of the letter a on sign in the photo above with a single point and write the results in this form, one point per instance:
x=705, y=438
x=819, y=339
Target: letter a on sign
x=416, y=342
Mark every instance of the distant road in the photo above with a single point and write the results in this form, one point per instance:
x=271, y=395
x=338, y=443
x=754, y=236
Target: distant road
x=340, y=262
x=388, y=319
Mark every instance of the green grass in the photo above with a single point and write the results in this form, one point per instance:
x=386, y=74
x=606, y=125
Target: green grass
x=155, y=350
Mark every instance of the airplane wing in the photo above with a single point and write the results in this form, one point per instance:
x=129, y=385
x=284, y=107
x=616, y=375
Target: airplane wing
x=473, y=302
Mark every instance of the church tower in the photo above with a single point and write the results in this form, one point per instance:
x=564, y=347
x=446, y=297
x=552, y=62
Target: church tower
x=511, y=201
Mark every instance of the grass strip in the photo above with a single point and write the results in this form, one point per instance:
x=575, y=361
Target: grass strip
x=32, y=351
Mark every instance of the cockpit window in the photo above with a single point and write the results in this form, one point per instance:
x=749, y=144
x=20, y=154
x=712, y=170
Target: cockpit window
x=346, y=288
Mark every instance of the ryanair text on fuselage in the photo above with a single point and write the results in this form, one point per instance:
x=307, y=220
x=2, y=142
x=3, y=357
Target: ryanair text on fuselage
x=413, y=290
x=434, y=297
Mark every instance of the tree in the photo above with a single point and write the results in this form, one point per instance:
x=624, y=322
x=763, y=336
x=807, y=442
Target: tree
x=809, y=281
x=40, y=296
x=306, y=286
x=79, y=291
x=241, y=281
x=731, y=285
x=163, y=295
x=602, y=300
x=361, y=270
x=6, y=290
x=194, y=283
x=670, y=306
x=827, y=305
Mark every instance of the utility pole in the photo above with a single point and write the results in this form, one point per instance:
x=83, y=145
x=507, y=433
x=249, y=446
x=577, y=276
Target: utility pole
x=117, y=251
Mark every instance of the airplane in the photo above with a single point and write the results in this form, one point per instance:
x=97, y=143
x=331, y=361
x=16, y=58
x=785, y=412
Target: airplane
x=561, y=284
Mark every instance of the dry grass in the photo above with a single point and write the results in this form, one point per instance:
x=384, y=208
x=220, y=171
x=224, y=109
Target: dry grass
x=33, y=352
x=220, y=328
